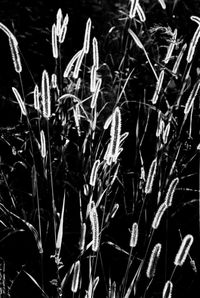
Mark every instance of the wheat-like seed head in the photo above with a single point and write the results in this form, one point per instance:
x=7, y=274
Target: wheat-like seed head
x=59, y=17
x=115, y=133
x=95, y=52
x=95, y=227
x=170, y=192
x=136, y=39
x=20, y=101
x=171, y=47
x=76, y=277
x=43, y=144
x=15, y=54
x=166, y=133
x=158, y=215
x=45, y=93
x=82, y=237
x=192, y=97
x=78, y=64
x=133, y=8
x=71, y=63
x=96, y=93
x=93, y=78
x=140, y=13
x=162, y=3
x=93, y=175
x=54, y=41
x=158, y=87
x=36, y=96
x=183, y=250
x=86, y=43
x=167, y=290
x=155, y=254
x=134, y=235
x=13, y=47
x=151, y=177
x=194, y=40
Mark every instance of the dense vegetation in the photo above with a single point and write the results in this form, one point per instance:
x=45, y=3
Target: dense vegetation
x=99, y=152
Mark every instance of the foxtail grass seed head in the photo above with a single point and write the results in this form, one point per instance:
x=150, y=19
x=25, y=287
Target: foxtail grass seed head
x=66, y=20
x=158, y=215
x=95, y=52
x=86, y=43
x=158, y=87
x=151, y=177
x=155, y=254
x=93, y=175
x=45, y=93
x=96, y=93
x=20, y=101
x=108, y=122
x=133, y=8
x=6, y=30
x=54, y=41
x=54, y=81
x=134, y=235
x=123, y=137
x=71, y=63
x=114, y=210
x=13, y=47
x=78, y=65
x=86, y=189
x=93, y=78
x=179, y=58
x=171, y=47
x=63, y=32
x=165, y=134
x=167, y=290
x=59, y=17
x=36, y=96
x=115, y=134
x=193, y=44
x=82, y=237
x=192, y=97
x=170, y=192
x=183, y=250
x=95, y=227
x=160, y=126
x=43, y=144
x=136, y=39
x=76, y=277
x=15, y=54
x=141, y=13
x=162, y=3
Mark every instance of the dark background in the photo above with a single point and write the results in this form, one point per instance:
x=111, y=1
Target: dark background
x=31, y=22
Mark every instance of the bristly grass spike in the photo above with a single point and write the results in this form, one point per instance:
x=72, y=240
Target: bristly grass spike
x=183, y=250
x=45, y=93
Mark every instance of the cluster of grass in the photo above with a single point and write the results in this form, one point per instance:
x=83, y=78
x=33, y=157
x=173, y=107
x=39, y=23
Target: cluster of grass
x=98, y=169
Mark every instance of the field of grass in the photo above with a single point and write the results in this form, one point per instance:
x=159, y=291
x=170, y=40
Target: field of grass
x=99, y=174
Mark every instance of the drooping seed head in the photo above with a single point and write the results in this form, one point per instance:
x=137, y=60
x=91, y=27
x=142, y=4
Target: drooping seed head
x=20, y=101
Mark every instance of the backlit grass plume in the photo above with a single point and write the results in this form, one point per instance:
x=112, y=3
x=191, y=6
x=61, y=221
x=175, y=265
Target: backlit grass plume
x=45, y=94
x=183, y=250
x=155, y=254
